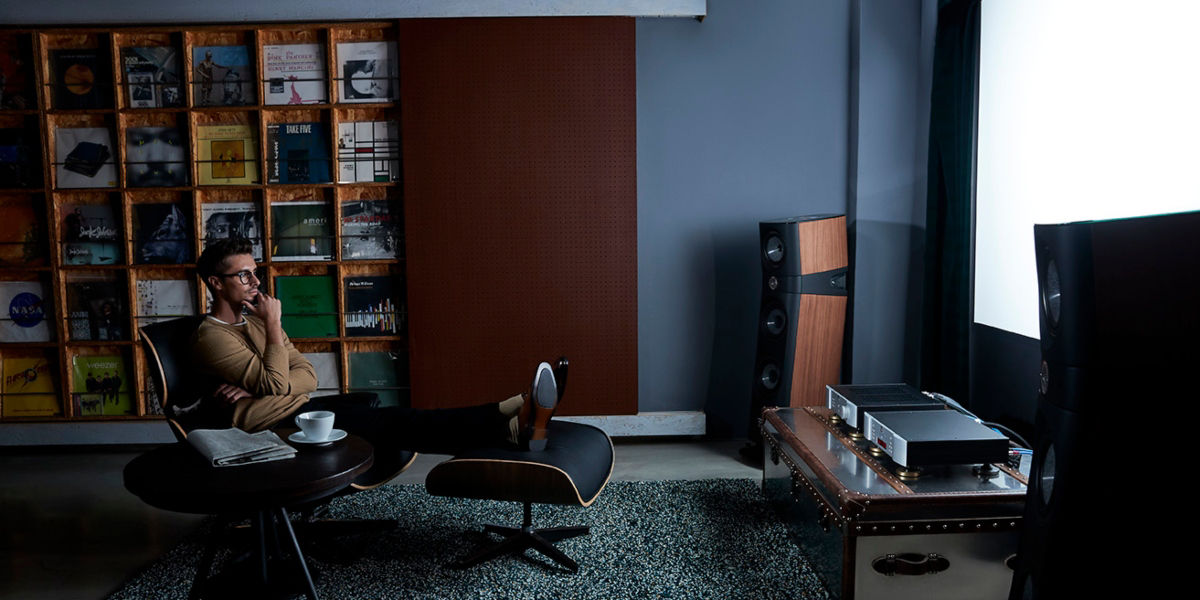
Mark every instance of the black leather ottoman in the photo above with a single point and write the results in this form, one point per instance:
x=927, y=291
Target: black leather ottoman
x=572, y=470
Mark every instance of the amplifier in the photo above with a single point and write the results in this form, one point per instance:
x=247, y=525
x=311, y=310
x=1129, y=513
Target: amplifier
x=924, y=438
x=850, y=401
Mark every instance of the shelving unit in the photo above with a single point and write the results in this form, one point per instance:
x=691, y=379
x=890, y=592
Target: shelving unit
x=50, y=251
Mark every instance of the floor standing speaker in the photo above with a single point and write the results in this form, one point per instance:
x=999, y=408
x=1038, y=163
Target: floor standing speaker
x=803, y=311
x=1120, y=324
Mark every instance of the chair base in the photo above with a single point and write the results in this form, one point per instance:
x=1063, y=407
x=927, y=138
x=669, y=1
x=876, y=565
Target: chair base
x=519, y=539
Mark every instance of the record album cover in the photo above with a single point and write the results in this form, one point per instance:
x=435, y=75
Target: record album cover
x=222, y=76
x=374, y=306
x=294, y=74
x=162, y=234
x=29, y=389
x=301, y=231
x=152, y=76
x=82, y=78
x=26, y=312
x=164, y=299
x=155, y=157
x=371, y=229
x=228, y=154
x=368, y=151
x=90, y=235
x=368, y=71
x=84, y=158
x=101, y=386
x=233, y=219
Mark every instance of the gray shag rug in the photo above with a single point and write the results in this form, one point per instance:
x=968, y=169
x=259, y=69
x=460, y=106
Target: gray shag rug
x=649, y=539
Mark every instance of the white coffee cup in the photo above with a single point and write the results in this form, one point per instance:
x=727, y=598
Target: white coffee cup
x=316, y=424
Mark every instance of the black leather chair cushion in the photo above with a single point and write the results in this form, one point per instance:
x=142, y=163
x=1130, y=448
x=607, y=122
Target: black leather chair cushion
x=573, y=469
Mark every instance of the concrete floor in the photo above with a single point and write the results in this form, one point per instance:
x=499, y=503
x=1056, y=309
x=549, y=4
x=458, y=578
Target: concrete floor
x=68, y=528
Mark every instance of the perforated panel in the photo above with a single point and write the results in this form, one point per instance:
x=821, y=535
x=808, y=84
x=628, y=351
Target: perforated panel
x=521, y=207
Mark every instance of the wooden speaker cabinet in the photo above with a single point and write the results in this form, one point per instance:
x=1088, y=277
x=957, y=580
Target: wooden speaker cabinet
x=803, y=311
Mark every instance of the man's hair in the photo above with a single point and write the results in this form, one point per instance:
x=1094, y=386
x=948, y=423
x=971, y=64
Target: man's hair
x=216, y=252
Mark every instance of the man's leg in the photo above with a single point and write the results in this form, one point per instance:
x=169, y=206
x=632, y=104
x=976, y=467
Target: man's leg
x=394, y=428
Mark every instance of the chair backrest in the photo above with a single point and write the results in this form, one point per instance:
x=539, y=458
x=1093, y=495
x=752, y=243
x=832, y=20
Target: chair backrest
x=168, y=357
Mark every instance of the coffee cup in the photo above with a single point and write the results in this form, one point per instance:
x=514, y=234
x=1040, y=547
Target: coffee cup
x=316, y=424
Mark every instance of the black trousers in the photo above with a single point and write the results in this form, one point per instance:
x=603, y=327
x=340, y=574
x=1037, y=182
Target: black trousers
x=394, y=429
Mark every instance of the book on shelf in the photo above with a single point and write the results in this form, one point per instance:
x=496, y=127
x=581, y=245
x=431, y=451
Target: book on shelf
x=326, y=366
x=164, y=299
x=152, y=76
x=22, y=232
x=155, y=157
x=82, y=79
x=96, y=310
x=90, y=235
x=371, y=229
x=368, y=71
x=222, y=76
x=301, y=231
x=29, y=388
x=373, y=306
x=228, y=154
x=385, y=373
x=308, y=305
x=161, y=234
x=101, y=386
x=27, y=312
x=233, y=219
x=85, y=157
x=16, y=73
x=294, y=74
x=20, y=158
x=297, y=153
x=368, y=151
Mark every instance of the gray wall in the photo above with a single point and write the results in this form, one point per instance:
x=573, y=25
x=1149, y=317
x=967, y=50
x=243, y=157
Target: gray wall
x=895, y=63
x=769, y=109
x=766, y=109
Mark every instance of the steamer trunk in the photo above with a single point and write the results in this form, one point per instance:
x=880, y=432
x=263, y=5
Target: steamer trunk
x=869, y=534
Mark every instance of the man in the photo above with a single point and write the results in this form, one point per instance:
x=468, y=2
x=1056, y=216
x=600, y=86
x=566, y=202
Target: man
x=250, y=370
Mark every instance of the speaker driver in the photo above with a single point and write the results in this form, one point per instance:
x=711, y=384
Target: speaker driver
x=776, y=321
x=769, y=376
x=1052, y=294
x=773, y=249
x=1046, y=476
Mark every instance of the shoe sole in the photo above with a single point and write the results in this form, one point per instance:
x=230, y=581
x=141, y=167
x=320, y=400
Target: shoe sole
x=543, y=400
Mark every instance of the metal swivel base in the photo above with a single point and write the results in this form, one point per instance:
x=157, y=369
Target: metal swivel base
x=519, y=539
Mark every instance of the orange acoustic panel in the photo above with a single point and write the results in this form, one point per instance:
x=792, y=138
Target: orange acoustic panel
x=520, y=202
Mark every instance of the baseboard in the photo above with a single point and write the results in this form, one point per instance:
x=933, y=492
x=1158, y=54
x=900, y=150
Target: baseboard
x=647, y=424
x=85, y=434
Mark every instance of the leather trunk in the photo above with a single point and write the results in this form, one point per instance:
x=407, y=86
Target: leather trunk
x=948, y=534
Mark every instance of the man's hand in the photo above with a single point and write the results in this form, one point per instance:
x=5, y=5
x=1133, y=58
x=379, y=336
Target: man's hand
x=230, y=393
x=265, y=307
x=270, y=310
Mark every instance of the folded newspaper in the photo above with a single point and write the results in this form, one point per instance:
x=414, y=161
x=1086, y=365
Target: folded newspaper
x=232, y=447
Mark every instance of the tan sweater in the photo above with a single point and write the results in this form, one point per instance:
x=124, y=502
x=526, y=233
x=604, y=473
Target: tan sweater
x=278, y=378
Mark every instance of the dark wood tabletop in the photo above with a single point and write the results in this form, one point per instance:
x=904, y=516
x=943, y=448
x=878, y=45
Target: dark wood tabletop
x=177, y=478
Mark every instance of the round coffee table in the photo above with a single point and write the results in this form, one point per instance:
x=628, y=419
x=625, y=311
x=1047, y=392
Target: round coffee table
x=177, y=478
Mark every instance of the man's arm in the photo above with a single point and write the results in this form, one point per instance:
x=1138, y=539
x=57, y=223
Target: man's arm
x=281, y=370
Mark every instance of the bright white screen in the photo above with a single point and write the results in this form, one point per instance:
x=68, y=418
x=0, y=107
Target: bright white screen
x=1087, y=110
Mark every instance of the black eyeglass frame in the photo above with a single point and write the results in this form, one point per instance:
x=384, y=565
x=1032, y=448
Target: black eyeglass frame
x=243, y=276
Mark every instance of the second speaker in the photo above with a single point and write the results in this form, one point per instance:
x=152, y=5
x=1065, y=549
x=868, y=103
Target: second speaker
x=802, y=318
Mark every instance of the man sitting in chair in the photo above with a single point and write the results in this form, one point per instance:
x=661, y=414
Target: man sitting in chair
x=255, y=378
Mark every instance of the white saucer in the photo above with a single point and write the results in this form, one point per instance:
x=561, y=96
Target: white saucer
x=300, y=438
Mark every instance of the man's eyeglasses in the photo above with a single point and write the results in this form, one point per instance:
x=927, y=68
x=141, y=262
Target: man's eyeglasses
x=243, y=276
